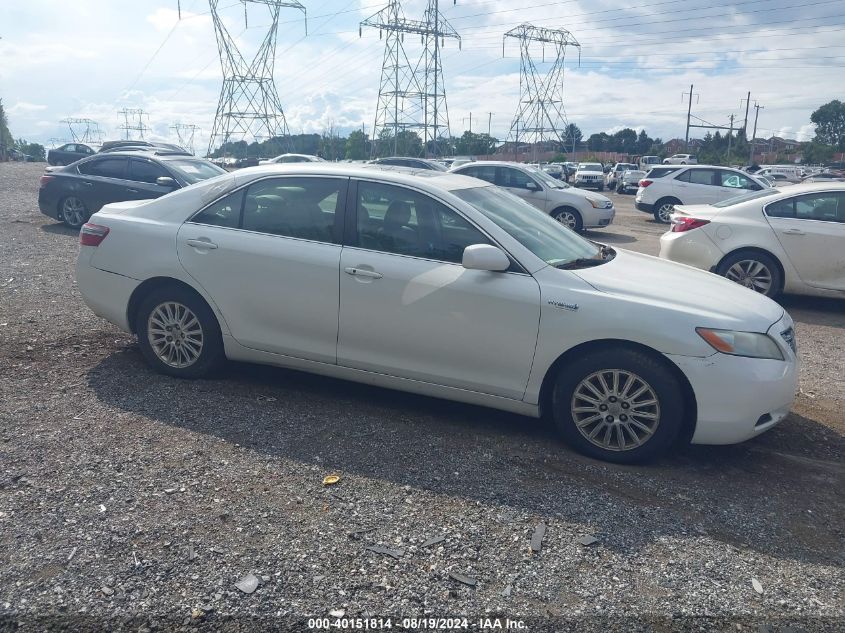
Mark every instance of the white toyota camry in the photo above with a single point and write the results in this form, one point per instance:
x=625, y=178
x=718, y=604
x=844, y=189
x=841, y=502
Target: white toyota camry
x=443, y=285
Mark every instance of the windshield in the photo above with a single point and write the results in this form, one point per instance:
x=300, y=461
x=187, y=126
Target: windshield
x=550, y=181
x=590, y=167
x=195, y=170
x=746, y=197
x=547, y=238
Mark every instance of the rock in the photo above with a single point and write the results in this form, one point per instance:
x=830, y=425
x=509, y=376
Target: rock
x=588, y=540
x=248, y=584
x=506, y=592
x=379, y=549
x=465, y=580
x=433, y=541
x=537, y=538
x=337, y=613
x=757, y=586
x=107, y=591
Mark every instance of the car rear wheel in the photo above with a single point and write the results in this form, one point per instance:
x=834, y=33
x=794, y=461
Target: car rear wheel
x=74, y=212
x=569, y=217
x=663, y=209
x=178, y=333
x=754, y=270
x=619, y=405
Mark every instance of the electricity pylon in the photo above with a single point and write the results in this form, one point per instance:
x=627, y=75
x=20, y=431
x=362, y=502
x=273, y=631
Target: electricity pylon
x=411, y=97
x=540, y=115
x=133, y=121
x=249, y=104
x=185, y=133
x=89, y=134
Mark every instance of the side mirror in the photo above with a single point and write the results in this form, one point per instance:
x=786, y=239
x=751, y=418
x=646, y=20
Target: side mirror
x=165, y=181
x=485, y=257
x=532, y=186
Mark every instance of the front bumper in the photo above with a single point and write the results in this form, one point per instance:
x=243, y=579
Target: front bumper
x=598, y=218
x=582, y=183
x=739, y=398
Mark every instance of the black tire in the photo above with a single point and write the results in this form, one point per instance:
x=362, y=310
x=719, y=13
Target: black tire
x=737, y=262
x=78, y=217
x=620, y=189
x=661, y=382
x=659, y=209
x=601, y=187
x=211, y=356
x=578, y=225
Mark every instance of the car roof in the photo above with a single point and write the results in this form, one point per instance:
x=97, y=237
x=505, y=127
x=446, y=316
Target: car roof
x=446, y=181
x=147, y=152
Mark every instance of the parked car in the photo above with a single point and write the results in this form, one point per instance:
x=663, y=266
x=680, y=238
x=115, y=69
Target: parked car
x=699, y=184
x=615, y=174
x=576, y=208
x=647, y=162
x=136, y=145
x=790, y=173
x=413, y=163
x=18, y=156
x=555, y=170
x=71, y=194
x=450, y=288
x=630, y=179
x=589, y=175
x=681, y=159
x=292, y=158
x=70, y=153
x=771, y=241
x=825, y=176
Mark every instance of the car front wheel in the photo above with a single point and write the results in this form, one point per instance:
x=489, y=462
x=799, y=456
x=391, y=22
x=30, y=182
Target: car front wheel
x=569, y=217
x=619, y=405
x=178, y=333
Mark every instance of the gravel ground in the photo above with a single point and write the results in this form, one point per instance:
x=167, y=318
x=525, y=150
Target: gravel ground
x=133, y=501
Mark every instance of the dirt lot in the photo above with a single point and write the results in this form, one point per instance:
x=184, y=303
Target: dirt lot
x=133, y=501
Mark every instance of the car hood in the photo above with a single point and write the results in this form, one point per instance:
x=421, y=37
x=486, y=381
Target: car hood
x=717, y=302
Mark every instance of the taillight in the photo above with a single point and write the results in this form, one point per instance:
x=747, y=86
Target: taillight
x=645, y=182
x=681, y=224
x=44, y=180
x=92, y=234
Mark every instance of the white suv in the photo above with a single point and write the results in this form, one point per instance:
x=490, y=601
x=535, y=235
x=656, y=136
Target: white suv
x=590, y=175
x=698, y=184
x=573, y=207
x=681, y=159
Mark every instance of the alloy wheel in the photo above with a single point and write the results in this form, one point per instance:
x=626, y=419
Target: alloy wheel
x=751, y=274
x=615, y=409
x=665, y=211
x=73, y=210
x=567, y=218
x=175, y=334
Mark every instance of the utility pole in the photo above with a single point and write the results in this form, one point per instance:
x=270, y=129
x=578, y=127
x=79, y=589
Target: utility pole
x=747, y=103
x=689, y=112
x=470, y=122
x=136, y=125
x=730, y=135
x=757, y=109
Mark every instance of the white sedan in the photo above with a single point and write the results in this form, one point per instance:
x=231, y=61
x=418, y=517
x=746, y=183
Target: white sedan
x=443, y=285
x=775, y=240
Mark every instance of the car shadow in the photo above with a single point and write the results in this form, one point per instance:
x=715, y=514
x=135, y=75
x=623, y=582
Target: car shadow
x=827, y=311
x=59, y=228
x=605, y=237
x=751, y=496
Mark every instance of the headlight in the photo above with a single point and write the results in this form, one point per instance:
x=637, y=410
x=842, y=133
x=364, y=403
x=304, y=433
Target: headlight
x=750, y=344
x=600, y=204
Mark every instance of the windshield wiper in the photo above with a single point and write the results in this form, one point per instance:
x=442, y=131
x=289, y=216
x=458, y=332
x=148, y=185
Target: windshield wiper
x=581, y=262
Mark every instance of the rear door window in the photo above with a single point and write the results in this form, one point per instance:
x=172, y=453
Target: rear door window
x=114, y=167
x=698, y=176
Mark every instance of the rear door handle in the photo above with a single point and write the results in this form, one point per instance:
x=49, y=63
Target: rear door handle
x=793, y=232
x=362, y=273
x=201, y=243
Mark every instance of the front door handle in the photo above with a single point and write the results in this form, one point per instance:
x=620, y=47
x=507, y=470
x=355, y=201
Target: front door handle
x=793, y=232
x=88, y=184
x=131, y=190
x=362, y=273
x=202, y=243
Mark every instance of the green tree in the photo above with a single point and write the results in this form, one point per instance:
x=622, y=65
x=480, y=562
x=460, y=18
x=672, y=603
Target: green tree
x=356, y=146
x=6, y=140
x=572, y=136
x=34, y=150
x=830, y=124
x=625, y=141
x=598, y=142
x=471, y=144
x=815, y=153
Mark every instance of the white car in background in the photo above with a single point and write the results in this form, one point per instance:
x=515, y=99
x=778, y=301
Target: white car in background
x=576, y=208
x=441, y=285
x=630, y=179
x=291, y=158
x=771, y=241
x=615, y=174
x=589, y=175
x=681, y=159
x=698, y=184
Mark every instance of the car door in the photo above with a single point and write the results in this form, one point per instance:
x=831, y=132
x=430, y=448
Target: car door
x=696, y=186
x=408, y=308
x=811, y=230
x=103, y=180
x=521, y=184
x=268, y=256
x=143, y=174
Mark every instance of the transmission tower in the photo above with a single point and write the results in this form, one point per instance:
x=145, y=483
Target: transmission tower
x=540, y=116
x=133, y=121
x=411, y=97
x=84, y=130
x=249, y=104
x=186, y=133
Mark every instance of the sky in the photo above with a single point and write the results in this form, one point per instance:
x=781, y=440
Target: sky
x=638, y=58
